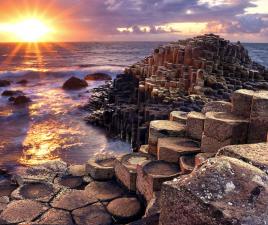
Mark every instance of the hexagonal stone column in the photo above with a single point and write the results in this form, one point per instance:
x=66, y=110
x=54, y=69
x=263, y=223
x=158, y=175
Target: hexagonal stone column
x=104, y=191
x=217, y=106
x=242, y=101
x=92, y=215
x=125, y=210
x=151, y=175
x=101, y=169
x=255, y=154
x=221, y=191
x=126, y=168
x=163, y=128
x=172, y=148
x=222, y=129
x=259, y=118
x=195, y=125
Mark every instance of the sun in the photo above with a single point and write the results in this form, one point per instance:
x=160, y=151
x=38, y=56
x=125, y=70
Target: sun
x=31, y=30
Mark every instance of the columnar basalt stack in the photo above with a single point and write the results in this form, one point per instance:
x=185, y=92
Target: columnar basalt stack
x=180, y=76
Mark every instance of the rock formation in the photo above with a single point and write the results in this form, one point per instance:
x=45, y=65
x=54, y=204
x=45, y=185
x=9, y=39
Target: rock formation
x=180, y=76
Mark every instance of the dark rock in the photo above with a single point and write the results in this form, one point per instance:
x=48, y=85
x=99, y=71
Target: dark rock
x=20, y=100
x=11, y=93
x=23, y=82
x=98, y=77
x=4, y=83
x=74, y=83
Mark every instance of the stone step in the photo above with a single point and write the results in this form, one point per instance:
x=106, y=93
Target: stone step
x=172, y=148
x=101, y=169
x=163, y=128
x=222, y=129
x=259, y=118
x=151, y=175
x=126, y=168
x=195, y=125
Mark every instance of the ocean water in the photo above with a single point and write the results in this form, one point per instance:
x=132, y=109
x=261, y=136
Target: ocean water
x=52, y=126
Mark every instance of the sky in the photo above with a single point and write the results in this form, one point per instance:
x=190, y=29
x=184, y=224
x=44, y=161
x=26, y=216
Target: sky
x=137, y=20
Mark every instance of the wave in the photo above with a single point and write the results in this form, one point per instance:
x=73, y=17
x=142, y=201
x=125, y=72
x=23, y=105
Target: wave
x=61, y=72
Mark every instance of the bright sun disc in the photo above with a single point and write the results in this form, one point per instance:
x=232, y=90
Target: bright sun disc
x=31, y=30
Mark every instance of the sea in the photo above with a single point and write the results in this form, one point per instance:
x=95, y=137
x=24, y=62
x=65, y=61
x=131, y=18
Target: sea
x=52, y=127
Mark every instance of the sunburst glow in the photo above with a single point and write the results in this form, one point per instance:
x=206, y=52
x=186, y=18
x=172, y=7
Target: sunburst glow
x=31, y=30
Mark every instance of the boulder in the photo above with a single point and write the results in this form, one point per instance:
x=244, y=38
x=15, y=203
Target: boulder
x=222, y=191
x=20, y=100
x=98, y=77
x=4, y=83
x=23, y=82
x=74, y=83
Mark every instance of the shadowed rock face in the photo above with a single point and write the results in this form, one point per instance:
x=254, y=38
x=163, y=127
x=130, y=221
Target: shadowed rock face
x=98, y=77
x=74, y=83
x=4, y=83
x=222, y=191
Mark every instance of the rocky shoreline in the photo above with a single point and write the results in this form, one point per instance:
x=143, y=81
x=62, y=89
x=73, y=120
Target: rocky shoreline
x=200, y=144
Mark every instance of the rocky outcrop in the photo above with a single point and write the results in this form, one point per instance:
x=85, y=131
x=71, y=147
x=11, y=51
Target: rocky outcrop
x=181, y=76
x=74, y=83
x=4, y=83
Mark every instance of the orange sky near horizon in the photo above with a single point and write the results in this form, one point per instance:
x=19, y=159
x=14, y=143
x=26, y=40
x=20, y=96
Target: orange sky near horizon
x=130, y=20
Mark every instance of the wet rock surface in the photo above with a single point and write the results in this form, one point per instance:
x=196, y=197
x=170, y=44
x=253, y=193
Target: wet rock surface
x=74, y=83
x=4, y=83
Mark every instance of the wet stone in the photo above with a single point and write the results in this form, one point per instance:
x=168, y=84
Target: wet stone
x=43, y=192
x=104, y=191
x=72, y=182
x=22, y=211
x=101, y=169
x=56, y=217
x=73, y=199
x=92, y=215
x=126, y=168
x=125, y=210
